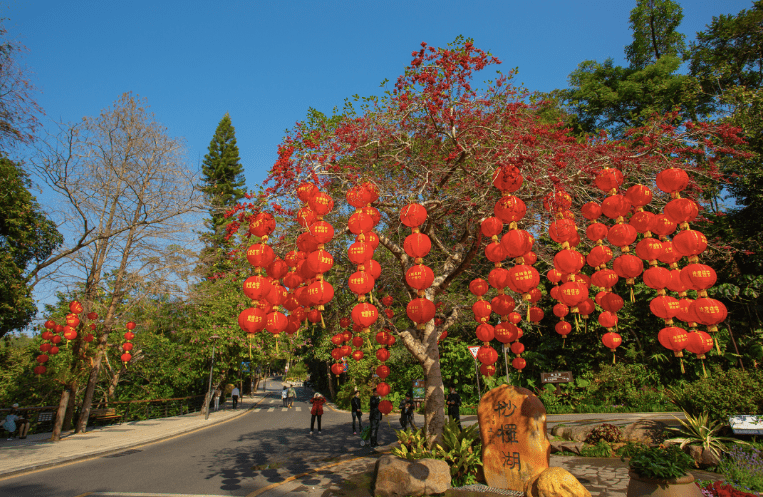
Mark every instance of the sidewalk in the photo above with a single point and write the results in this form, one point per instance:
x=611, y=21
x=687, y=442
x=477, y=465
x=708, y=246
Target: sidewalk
x=38, y=452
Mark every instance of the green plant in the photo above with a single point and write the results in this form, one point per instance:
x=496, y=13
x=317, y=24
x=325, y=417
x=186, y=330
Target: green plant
x=413, y=445
x=606, y=432
x=743, y=466
x=629, y=449
x=461, y=449
x=600, y=449
x=729, y=392
x=660, y=462
x=700, y=430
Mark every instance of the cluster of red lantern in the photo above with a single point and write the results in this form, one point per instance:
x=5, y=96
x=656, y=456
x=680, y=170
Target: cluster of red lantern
x=128, y=346
x=53, y=333
x=420, y=277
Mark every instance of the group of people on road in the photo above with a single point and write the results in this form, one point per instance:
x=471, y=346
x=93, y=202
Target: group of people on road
x=288, y=394
x=234, y=395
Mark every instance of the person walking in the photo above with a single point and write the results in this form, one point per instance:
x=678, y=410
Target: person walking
x=284, y=393
x=454, y=402
x=234, y=395
x=317, y=411
x=291, y=395
x=356, y=412
x=374, y=417
x=218, y=393
x=406, y=412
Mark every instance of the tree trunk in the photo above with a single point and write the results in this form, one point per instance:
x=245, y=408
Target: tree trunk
x=71, y=405
x=434, y=398
x=87, y=400
x=60, y=414
x=332, y=390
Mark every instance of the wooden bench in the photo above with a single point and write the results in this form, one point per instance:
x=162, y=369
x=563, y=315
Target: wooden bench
x=105, y=415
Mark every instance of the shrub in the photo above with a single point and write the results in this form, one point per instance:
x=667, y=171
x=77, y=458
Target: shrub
x=719, y=489
x=462, y=450
x=600, y=449
x=661, y=462
x=606, y=432
x=729, y=393
x=743, y=467
x=628, y=384
x=413, y=445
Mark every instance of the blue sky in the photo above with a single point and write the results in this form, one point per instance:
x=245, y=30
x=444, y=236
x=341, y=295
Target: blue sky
x=266, y=62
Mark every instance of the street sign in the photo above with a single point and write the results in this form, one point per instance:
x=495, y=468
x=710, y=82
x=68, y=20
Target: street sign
x=245, y=367
x=556, y=377
x=474, y=351
x=418, y=389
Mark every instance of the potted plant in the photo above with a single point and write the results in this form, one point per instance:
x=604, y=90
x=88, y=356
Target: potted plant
x=702, y=433
x=661, y=472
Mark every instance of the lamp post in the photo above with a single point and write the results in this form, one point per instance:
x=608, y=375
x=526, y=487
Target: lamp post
x=211, y=368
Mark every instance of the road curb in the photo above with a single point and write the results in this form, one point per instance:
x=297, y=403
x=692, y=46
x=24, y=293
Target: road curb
x=84, y=457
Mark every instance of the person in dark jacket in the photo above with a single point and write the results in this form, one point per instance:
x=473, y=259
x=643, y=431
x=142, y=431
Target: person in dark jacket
x=454, y=402
x=406, y=412
x=374, y=417
x=317, y=411
x=356, y=412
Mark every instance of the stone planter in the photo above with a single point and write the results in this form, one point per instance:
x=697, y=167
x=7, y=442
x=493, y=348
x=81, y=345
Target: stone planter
x=679, y=487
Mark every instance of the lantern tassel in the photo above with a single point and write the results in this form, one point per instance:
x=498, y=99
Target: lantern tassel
x=717, y=347
x=250, y=348
x=681, y=360
x=633, y=299
x=564, y=339
x=276, y=345
x=614, y=357
x=703, y=368
x=323, y=323
x=528, y=311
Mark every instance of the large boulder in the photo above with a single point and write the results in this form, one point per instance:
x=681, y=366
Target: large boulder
x=646, y=431
x=576, y=433
x=555, y=482
x=704, y=458
x=396, y=477
x=567, y=446
x=515, y=446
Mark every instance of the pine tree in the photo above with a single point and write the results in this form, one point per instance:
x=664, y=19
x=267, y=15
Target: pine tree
x=223, y=177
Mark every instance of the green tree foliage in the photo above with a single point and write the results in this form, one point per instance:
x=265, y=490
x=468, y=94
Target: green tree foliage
x=27, y=237
x=223, y=177
x=654, y=24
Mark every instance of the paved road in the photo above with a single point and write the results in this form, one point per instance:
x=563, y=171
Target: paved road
x=233, y=458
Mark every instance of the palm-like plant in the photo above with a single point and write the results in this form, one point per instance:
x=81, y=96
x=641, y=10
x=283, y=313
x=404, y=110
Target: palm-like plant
x=699, y=430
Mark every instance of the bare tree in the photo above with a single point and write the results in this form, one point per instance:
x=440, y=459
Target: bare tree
x=128, y=202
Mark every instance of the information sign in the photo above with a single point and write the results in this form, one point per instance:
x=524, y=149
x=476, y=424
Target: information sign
x=474, y=351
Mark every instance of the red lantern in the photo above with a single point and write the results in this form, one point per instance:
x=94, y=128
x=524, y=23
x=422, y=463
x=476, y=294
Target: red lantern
x=572, y=293
x=305, y=217
x=252, y=320
x=569, y=261
x=413, y=215
x=419, y=277
x=591, y=210
x=681, y=210
x=689, y=243
x=507, y=178
x=487, y=355
x=615, y=206
x=709, y=312
x=662, y=225
x=385, y=407
x=517, y=348
x=49, y=324
x=499, y=278
x=642, y=221
x=357, y=197
x=58, y=328
x=518, y=363
x=365, y=314
x=596, y=231
x=42, y=358
x=562, y=230
x=649, y=249
x=129, y=335
x=608, y=179
x=481, y=310
x=485, y=332
x=563, y=328
x=502, y=304
x=314, y=316
x=382, y=354
x=359, y=253
x=361, y=283
x=698, y=276
x=487, y=369
x=54, y=350
x=557, y=201
x=495, y=252
x=517, y=242
x=622, y=235
x=337, y=369
x=382, y=371
x=278, y=269
x=373, y=213
x=126, y=357
x=599, y=256
x=88, y=338
x=628, y=266
x=276, y=322
x=44, y=347
x=536, y=314
x=672, y=180
x=530, y=258
x=611, y=340
x=657, y=277
x=639, y=195
x=306, y=191
x=478, y=287
x=320, y=292
x=39, y=370
x=673, y=338
x=510, y=209
x=337, y=339
x=321, y=203
x=357, y=355
x=515, y=317
x=75, y=307
x=260, y=255
x=669, y=256
x=664, y=307
x=127, y=347
x=262, y=224
x=611, y=302
x=373, y=268
x=608, y=319
x=47, y=335
x=417, y=245
x=524, y=277
x=70, y=333
x=686, y=311
x=257, y=287
x=606, y=278
x=676, y=284
x=360, y=223
x=322, y=232
x=505, y=332
x=56, y=339
x=491, y=227
x=561, y=310
x=420, y=310
x=369, y=238
x=72, y=320
x=699, y=343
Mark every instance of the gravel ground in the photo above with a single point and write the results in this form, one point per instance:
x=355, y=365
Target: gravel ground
x=484, y=488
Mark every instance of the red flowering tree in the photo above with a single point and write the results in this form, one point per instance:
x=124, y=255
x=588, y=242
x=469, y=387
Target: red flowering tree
x=437, y=140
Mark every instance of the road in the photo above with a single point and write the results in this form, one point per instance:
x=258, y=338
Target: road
x=232, y=458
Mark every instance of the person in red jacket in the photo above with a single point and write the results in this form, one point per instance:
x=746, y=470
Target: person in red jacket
x=317, y=411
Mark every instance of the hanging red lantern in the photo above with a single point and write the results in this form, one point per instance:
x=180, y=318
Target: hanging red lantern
x=320, y=261
x=586, y=308
x=382, y=354
x=88, y=338
x=612, y=302
x=709, y=312
x=54, y=349
x=689, y=243
x=75, y=307
x=561, y=310
x=699, y=343
x=417, y=245
x=608, y=179
x=337, y=368
x=357, y=355
x=487, y=369
x=38, y=370
x=536, y=314
x=262, y=224
x=257, y=287
x=495, y=252
x=252, y=320
x=524, y=278
x=373, y=268
x=291, y=302
x=510, y=209
x=505, y=332
x=596, y=231
x=639, y=195
x=337, y=339
x=662, y=225
x=314, y=316
x=672, y=180
x=320, y=292
x=321, y=232
x=126, y=357
x=365, y=314
x=649, y=249
x=563, y=328
x=530, y=258
x=611, y=340
x=507, y=178
x=321, y=203
x=599, y=256
x=56, y=339
x=664, y=307
x=605, y=278
x=373, y=213
x=615, y=206
x=47, y=335
x=369, y=238
x=515, y=317
x=686, y=311
x=491, y=227
x=676, y=284
x=419, y=277
x=276, y=322
x=681, y=210
x=668, y=255
x=518, y=363
x=569, y=261
x=420, y=310
x=481, y=310
x=58, y=328
x=591, y=210
x=44, y=347
x=628, y=266
x=557, y=201
x=657, y=277
x=487, y=355
x=72, y=320
x=359, y=253
x=642, y=221
x=478, y=287
x=127, y=347
x=70, y=333
x=385, y=407
x=572, y=293
x=413, y=215
x=382, y=371
x=278, y=269
x=360, y=223
x=129, y=335
x=517, y=242
x=42, y=358
x=306, y=191
x=361, y=283
x=260, y=255
x=50, y=324
x=517, y=348
x=502, y=304
x=622, y=235
x=562, y=230
x=608, y=319
x=698, y=277
x=485, y=332
x=305, y=217
x=499, y=278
